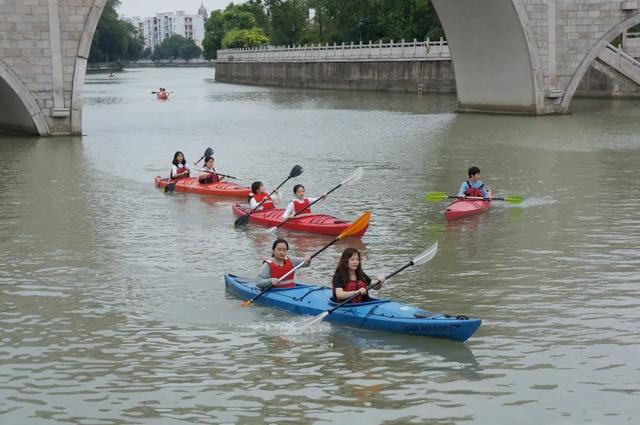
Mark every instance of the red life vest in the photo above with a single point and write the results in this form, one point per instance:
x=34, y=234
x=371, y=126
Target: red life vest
x=353, y=285
x=279, y=271
x=268, y=204
x=302, y=207
x=180, y=170
x=473, y=191
x=209, y=178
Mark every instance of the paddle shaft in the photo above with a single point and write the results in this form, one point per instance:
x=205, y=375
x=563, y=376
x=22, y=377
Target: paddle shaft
x=271, y=285
x=215, y=172
x=371, y=285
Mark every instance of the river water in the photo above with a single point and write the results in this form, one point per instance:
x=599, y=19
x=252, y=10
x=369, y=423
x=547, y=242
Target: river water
x=112, y=301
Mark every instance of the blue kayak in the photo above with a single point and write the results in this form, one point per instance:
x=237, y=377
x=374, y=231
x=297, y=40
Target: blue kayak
x=376, y=314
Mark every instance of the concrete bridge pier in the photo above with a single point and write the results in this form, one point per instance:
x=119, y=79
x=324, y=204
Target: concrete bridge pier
x=44, y=47
x=527, y=56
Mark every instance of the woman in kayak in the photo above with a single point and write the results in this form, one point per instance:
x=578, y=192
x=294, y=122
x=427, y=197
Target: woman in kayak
x=180, y=168
x=473, y=186
x=300, y=205
x=349, y=279
x=209, y=174
x=259, y=194
x=279, y=265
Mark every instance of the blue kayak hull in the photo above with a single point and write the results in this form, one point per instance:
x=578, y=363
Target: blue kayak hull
x=377, y=314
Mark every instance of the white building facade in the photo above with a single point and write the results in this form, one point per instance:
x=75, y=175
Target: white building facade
x=162, y=26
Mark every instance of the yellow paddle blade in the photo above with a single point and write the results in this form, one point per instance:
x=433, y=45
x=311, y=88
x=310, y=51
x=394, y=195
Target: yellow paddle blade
x=436, y=196
x=357, y=226
x=246, y=303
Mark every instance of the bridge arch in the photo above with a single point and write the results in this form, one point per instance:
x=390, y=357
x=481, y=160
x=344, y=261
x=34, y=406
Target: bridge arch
x=18, y=108
x=582, y=69
x=494, y=55
x=81, y=64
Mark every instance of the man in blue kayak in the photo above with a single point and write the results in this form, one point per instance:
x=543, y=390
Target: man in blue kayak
x=473, y=186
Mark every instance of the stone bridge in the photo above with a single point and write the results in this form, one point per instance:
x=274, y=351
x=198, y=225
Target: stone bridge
x=44, y=46
x=528, y=56
x=511, y=56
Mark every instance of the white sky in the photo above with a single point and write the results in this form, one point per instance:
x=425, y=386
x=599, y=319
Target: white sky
x=144, y=8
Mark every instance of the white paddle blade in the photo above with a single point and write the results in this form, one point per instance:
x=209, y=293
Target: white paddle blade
x=357, y=175
x=272, y=229
x=426, y=255
x=315, y=319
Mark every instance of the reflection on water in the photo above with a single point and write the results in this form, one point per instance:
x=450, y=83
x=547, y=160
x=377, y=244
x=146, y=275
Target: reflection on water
x=112, y=300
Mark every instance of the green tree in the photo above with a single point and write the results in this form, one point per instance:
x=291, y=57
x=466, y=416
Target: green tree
x=242, y=25
x=288, y=20
x=214, y=33
x=244, y=38
x=115, y=39
x=176, y=47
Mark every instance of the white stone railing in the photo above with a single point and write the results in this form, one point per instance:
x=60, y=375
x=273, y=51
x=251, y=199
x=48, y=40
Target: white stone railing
x=416, y=50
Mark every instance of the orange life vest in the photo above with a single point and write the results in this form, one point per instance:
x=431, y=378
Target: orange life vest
x=278, y=271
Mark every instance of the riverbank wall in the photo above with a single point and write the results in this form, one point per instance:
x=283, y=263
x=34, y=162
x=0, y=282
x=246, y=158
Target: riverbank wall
x=394, y=76
x=410, y=76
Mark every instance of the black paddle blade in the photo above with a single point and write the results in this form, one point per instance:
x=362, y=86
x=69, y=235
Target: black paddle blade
x=296, y=171
x=242, y=221
x=208, y=152
x=170, y=188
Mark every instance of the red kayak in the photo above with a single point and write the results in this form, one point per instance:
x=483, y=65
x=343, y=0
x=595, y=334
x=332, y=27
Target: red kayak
x=163, y=96
x=192, y=185
x=466, y=208
x=320, y=224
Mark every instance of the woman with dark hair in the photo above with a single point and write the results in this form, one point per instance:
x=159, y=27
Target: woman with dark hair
x=279, y=265
x=349, y=279
x=300, y=205
x=209, y=174
x=258, y=194
x=180, y=168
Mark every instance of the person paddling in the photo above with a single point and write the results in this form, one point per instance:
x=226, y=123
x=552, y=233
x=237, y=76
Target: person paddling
x=279, y=265
x=180, y=168
x=258, y=194
x=209, y=174
x=349, y=279
x=299, y=206
x=473, y=186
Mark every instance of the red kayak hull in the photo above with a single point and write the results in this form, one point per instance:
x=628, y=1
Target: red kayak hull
x=192, y=185
x=465, y=208
x=320, y=224
x=163, y=96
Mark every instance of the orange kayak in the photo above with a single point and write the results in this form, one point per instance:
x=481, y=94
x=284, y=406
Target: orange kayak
x=192, y=185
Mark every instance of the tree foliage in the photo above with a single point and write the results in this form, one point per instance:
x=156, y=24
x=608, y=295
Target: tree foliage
x=176, y=47
x=114, y=38
x=286, y=22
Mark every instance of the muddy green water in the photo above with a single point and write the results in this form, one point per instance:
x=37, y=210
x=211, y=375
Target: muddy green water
x=112, y=301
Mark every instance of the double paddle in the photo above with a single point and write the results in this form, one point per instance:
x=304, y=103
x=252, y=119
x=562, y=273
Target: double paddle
x=215, y=172
x=353, y=229
x=423, y=258
x=441, y=196
x=171, y=187
x=295, y=172
x=357, y=175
